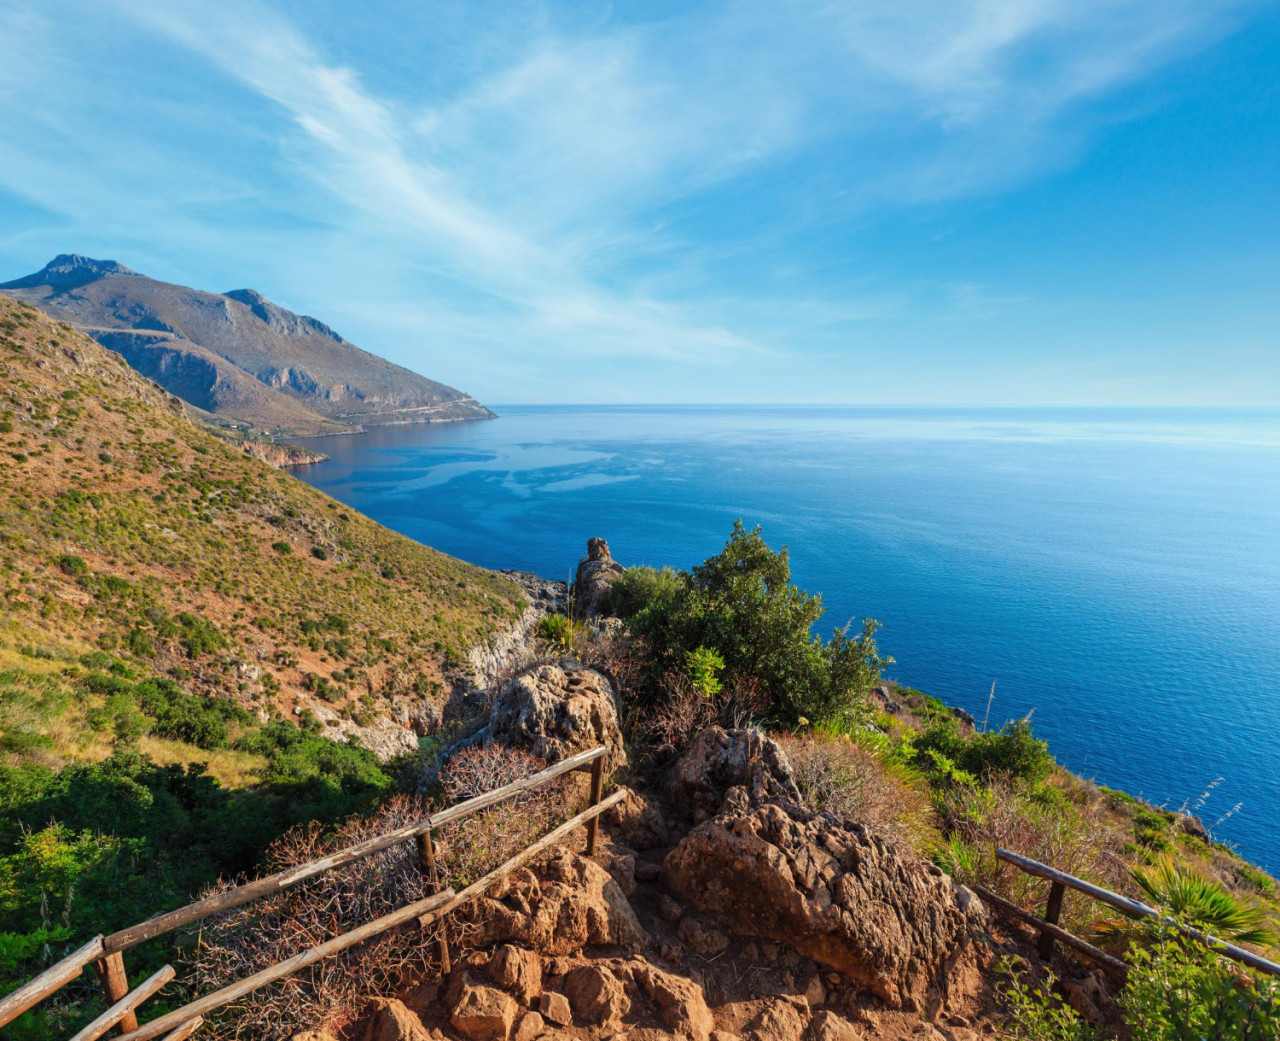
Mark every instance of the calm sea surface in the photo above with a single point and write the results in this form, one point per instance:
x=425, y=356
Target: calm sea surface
x=1116, y=571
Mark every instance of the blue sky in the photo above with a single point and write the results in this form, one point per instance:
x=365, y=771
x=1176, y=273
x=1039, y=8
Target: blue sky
x=935, y=201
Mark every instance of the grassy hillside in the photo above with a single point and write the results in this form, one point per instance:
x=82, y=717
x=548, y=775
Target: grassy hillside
x=126, y=529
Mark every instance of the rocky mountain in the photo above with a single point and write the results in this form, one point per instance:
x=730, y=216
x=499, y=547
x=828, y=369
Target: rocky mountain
x=237, y=355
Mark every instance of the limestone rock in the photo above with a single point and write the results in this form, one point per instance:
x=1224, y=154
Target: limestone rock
x=594, y=580
x=555, y=1009
x=680, y=1003
x=636, y=822
x=529, y=1027
x=835, y=892
x=570, y=903
x=517, y=971
x=596, y=995
x=701, y=938
x=779, y=1020
x=391, y=1020
x=484, y=1014
x=718, y=760
x=827, y=1026
x=555, y=711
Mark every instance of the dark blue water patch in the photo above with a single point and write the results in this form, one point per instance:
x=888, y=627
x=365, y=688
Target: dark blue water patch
x=1116, y=572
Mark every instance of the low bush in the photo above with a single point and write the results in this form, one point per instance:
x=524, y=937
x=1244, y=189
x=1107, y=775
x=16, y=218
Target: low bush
x=839, y=777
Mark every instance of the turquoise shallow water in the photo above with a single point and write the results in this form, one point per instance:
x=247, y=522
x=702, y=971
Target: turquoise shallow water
x=1117, y=571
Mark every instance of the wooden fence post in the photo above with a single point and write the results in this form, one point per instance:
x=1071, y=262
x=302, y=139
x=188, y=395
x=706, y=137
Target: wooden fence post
x=1051, y=912
x=597, y=788
x=115, y=985
x=427, y=863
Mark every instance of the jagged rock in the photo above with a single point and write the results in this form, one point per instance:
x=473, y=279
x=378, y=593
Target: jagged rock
x=670, y=909
x=594, y=580
x=570, y=903
x=718, y=760
x=827, y=1026
x=779, y=1020
x=637, y=822
x=390, y=1020
x=835, y=892
x=555, y=1009
x=529, y=1027
x=518, y=971
x=622, y=869
x=680, y=1003
x=313, y=1035
x=596, y=995
x=555, y=711
x=484, y=1013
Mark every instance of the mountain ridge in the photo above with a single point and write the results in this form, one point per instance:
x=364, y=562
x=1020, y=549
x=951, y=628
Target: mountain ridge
x=238, y=355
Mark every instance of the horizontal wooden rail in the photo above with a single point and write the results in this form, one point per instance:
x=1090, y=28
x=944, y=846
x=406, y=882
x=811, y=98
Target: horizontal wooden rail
x=1055, y=931
x=101, y=948
x=426, y=911
x=1137, y=909
x=52, y=979
x=250, y=891
x=129, y=1003
x=480, y=885
x=186, y=1030
x=429, y=908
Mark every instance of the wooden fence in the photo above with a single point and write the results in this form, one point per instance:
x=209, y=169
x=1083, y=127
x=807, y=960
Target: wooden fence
x=1050, y=931
x=106, y=953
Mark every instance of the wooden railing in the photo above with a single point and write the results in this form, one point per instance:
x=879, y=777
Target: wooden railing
x=106, y=953
x=1050, y=931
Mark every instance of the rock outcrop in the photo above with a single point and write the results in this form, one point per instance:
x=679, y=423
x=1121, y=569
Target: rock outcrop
x=571, y=902
x=835, y=892
x=594, y=580
x=718, y=760
x=555, y=711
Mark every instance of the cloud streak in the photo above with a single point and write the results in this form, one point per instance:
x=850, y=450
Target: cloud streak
x=669, y=189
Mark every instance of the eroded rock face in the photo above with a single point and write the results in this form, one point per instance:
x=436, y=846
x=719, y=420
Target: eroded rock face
x=571, y=902
x=555, y=711
x=718, y=760
x=594, y=580
x=636, y=822
x=835, y=892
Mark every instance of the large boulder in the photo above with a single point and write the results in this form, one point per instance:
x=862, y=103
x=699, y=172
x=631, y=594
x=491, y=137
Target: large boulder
x=555, y=711
x=569, y=903
x=835, y=892
x=484, y=1014
x=718, y=760
x=596, y=995
x=390, y=1020
x=594, y=580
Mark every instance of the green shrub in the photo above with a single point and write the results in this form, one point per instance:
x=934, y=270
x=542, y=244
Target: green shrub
x=741, y=605
x=638, y=587
x=282, y=547
x=72, y=565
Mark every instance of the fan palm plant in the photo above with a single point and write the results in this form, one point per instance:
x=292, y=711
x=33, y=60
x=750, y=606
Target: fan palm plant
x=1189, y=896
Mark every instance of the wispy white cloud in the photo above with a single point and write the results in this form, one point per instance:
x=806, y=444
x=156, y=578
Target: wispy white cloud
x=550, y=199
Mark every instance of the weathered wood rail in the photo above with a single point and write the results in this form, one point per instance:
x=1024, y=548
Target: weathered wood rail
x=1050, y=931
x=105, y=953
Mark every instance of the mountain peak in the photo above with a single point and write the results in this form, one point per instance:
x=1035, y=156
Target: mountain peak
x=68, y=270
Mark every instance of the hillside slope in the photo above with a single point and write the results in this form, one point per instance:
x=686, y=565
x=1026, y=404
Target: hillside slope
x=126, y=528
x=238, y=355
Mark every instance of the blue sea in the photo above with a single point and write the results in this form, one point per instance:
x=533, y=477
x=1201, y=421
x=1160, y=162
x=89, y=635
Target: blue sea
x=1115, y=571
